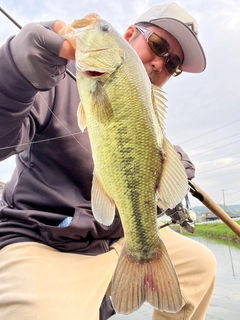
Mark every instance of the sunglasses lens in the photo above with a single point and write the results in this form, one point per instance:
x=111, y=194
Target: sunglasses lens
x=157, y=45
x=160, y=49
x=172, y=66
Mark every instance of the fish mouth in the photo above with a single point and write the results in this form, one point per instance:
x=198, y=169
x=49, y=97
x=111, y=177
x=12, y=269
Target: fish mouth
x=93, y=74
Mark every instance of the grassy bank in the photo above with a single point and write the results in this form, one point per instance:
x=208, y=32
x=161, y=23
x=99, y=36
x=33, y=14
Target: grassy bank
x=218, y=230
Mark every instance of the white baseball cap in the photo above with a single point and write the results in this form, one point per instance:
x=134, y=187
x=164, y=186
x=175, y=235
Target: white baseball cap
x=178, y=22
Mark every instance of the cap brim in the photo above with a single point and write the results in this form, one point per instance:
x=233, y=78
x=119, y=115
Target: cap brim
x=194, y=57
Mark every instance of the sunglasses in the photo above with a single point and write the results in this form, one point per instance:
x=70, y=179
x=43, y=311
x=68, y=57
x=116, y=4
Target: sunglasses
x=158, y=46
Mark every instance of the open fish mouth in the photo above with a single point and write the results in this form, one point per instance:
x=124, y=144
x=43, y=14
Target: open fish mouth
x=93, y=74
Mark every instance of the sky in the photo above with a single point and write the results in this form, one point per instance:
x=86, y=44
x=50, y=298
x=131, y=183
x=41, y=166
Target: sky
x=203, y=109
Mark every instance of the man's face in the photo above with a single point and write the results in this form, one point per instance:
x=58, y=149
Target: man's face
x=154, y=65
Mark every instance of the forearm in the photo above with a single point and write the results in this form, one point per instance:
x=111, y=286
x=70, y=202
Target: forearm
x=29, y=63
x=16, y=99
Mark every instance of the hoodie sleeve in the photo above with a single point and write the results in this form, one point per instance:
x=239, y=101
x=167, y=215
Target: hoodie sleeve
x=17, y=90
x=188, y=165
x=16, y=100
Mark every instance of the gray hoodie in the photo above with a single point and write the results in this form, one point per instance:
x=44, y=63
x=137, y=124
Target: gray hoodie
x=54, y=166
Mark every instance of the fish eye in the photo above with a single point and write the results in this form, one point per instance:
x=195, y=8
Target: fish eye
x=105, y=27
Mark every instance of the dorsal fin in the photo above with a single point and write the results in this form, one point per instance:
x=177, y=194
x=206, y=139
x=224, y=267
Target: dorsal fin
x=174, y=184
x=169, y=193
x=159, y=105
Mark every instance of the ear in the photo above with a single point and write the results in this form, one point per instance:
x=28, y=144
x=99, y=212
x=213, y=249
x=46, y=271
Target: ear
x=128, y=35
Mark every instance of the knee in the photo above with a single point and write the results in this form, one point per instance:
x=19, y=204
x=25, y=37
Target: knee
x=202, y=267
x=190, y=258
x=206, y=261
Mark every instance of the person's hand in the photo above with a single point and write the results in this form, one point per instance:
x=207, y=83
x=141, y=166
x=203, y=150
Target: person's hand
x=40, y=54
x=67, y=51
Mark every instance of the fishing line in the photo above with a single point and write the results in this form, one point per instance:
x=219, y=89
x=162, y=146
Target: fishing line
x=43, y=140
x=70, y=133
x=54, y=138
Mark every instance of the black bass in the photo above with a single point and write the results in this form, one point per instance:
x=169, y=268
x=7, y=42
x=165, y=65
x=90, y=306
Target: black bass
x=135, y=165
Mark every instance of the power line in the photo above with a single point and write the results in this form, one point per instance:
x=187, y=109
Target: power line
x=233, y=135
x=206, y=133
x=234, y=200
x=235, y=164
x=214, y=149
x=233, y=185
x=219, y=175
x=229, y=194
x=202, y=162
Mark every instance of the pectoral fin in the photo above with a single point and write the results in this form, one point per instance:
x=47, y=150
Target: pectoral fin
x=82, y=122
x=102, y=206
x=102, y=107
x=174, y=183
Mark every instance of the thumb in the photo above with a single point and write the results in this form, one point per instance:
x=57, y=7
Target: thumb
x=67, y=51
x=58, y=25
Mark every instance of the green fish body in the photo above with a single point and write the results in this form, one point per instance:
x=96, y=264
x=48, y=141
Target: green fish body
x=135, y=165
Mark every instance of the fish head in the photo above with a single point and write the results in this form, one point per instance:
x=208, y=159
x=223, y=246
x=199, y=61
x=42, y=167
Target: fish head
x=99, y=50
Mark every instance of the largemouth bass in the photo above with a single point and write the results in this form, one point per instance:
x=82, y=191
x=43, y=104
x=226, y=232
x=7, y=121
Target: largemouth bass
x=135, y=165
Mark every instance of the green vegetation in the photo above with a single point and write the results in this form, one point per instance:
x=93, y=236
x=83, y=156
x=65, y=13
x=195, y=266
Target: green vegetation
x=218, y=230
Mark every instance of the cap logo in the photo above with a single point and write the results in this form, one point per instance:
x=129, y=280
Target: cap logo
x=191, y=26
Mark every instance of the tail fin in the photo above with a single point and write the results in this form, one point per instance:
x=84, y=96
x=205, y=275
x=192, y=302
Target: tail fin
x=154, y=281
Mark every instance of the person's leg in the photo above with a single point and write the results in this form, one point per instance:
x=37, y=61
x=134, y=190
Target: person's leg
x=38, y=282
x=195, y=266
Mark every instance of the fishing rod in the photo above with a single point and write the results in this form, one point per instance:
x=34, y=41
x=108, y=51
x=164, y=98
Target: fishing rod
x=194, y=189
x=20, y=27
x=214, y=207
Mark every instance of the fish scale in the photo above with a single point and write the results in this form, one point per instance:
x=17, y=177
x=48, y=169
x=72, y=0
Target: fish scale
x=135, y=166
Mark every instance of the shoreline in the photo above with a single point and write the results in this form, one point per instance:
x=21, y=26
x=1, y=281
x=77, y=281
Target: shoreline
x=236, y=240
x=217, y=230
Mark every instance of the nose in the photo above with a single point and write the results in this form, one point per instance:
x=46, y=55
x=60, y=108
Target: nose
x=158, y=63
